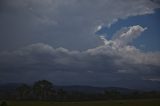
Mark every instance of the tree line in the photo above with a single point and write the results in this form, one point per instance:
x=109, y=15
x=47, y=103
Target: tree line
x=45, y=90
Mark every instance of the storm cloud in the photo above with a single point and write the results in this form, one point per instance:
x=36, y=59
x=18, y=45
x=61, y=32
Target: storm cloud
x=123, y=62
x=56, y=40
x=63, y=23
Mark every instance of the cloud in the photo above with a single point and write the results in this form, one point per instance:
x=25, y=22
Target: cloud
x=64, y=23
x=124, y=36
x=70, y=52
x=120, y=45
x=106, y=63
x=156, y=1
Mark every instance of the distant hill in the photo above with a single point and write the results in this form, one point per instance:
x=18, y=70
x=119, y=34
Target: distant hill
x=9, y=86
x=82, y=89
x=90, y=89
x=9, y=91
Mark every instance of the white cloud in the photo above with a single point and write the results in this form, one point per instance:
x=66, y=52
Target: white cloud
x=134, y=30
x=119, y=46
x=126, y=35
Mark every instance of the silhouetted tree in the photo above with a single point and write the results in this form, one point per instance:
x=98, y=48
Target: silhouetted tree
x=61, y=94
x=24, y=91
x=43, y=89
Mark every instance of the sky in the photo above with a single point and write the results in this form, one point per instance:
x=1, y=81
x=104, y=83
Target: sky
x=81, y=42
x=149, y=40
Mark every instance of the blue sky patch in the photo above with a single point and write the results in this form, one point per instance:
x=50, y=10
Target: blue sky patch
x=149, y=40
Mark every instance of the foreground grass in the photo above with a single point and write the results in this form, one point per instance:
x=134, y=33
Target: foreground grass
x=149, y=102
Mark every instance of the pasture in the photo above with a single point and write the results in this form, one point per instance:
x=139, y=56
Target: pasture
x=146, y=102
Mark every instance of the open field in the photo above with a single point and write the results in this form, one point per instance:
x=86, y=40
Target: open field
x=147, y=102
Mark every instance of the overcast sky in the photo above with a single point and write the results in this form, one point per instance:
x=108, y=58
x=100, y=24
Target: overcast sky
x=81, y=42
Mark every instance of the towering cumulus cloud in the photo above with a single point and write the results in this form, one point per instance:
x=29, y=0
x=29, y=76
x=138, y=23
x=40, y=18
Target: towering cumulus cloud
x=63, y=47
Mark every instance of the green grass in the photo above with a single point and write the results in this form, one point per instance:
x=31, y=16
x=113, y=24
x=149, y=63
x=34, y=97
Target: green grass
x=149, y=102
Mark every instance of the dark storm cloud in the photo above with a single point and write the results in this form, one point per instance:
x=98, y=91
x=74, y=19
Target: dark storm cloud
x=69, y=52
x=107, y=64
x=62, y=23
x=156, y=1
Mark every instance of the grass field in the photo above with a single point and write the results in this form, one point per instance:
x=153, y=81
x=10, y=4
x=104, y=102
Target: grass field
x=149, y=102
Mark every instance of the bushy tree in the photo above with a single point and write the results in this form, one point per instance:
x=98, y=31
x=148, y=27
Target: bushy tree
x=43, y=89
x=24, y=91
